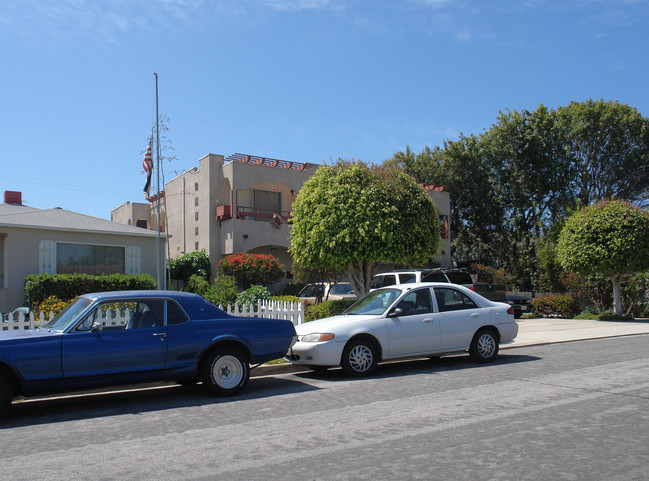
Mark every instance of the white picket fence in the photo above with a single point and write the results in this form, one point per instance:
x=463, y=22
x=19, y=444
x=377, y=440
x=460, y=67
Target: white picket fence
x=292, y=311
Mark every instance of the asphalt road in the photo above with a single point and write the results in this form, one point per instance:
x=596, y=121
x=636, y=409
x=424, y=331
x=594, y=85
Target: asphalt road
x=574, y=411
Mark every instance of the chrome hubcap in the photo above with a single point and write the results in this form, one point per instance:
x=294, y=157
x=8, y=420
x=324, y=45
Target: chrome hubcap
x=360, y=358
x=227, y=372
x=486, y=345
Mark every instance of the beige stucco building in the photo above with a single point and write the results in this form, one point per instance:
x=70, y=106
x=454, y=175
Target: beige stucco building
x=237, y=204
x=55, y=241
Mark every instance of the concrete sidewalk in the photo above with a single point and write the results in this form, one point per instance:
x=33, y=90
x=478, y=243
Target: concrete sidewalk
x=548, y=330
x=531, y=332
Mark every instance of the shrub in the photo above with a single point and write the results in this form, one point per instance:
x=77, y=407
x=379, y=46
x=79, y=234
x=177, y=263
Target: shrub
x=565, y=306
x=39, y=287
x=588, y=289
x=51, y=304
x=251, y=269
x=285, y=299
x=252, y=295
x=188, y=265
x=326, y=309
x=197, y=284
x=223, y=291
x=606, y=316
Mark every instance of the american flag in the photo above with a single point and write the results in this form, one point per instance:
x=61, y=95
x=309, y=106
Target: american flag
x=147, y=163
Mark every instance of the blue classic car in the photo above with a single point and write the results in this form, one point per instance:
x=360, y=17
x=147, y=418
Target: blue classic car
x=114, y=338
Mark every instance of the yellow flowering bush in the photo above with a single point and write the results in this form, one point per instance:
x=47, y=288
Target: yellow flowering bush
x=51, y=303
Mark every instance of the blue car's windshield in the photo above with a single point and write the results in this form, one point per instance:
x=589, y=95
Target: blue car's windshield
x=67, y=316
x=375, y=303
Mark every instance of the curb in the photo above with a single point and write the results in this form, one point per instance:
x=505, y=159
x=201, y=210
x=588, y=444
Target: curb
x=287, y=368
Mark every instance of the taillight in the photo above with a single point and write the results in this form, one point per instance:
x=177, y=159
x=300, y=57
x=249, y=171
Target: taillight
x=472, y=287
x=510, y=311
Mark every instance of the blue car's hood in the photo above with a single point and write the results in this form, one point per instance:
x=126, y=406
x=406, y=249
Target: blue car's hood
x=16, y=334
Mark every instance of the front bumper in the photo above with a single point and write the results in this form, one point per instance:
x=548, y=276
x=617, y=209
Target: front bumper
x=327, y=353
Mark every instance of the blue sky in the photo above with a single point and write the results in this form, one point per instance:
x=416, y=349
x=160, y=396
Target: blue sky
x=307, y=81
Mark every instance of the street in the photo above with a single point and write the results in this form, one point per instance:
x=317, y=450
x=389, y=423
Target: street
x=575, y=410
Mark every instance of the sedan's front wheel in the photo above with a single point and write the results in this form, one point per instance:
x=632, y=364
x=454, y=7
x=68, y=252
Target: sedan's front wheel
x=484, y=347
x=226, y=372
x=360, y=358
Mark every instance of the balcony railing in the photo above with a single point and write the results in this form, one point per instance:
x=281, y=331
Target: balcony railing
x=254, y=213
x=224, y=212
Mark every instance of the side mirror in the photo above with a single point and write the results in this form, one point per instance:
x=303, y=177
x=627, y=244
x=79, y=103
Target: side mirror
x=396, y=312
x=96, y=327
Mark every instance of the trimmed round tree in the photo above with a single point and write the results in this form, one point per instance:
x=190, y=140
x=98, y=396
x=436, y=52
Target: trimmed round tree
x=352, y=217
x=608, y=238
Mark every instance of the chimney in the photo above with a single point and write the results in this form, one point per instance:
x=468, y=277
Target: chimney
x=13, y=197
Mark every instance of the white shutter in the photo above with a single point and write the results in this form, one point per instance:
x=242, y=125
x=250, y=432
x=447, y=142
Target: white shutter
x=47, y=257
x=133, y=260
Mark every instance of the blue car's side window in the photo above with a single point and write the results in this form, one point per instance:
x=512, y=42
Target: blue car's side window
x=175, y=315
x=147, y=314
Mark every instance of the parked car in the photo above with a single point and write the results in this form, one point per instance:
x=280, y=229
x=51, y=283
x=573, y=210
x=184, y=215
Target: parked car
x=316, y=293
x=402, y=321
x=521, y=304
x=18, y=313
x=126, y=337
x=493, y=292
x=452, y=275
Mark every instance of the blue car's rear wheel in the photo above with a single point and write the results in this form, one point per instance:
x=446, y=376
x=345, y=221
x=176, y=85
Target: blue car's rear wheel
x=226, y=372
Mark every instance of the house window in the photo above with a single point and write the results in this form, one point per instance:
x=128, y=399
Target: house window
x=90, y=259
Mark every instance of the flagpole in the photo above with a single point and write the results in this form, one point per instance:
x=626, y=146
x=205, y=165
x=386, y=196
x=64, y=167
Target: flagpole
x=162, y=278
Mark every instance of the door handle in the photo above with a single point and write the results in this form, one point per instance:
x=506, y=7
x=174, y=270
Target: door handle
x=428, y=319
x=475, y=314
x=161, y=335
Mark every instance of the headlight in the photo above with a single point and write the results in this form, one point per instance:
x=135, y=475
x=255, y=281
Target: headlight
x=318, y=337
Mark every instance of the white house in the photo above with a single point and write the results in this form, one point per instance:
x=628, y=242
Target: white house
x=56, y=241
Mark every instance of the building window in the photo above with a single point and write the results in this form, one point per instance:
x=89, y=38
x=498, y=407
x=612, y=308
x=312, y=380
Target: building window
x=89, y=259
x=195, y=215
x=142, y=223
x=195, y=230
x=195, y=246
x=195, y=185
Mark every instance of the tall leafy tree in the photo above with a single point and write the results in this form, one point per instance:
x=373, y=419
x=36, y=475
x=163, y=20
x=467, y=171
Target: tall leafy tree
x=608, y=238
x=353, y=217
x=607, y=147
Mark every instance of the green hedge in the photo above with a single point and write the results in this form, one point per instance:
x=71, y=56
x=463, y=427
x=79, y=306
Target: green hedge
x=326, y=309
x=39, y=287
x=565, y=306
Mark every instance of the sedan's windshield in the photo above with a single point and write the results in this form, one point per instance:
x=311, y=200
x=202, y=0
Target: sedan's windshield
x=67, y=316
x=375, y=303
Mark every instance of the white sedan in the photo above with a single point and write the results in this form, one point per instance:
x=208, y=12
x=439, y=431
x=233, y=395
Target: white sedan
x=403, y=321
